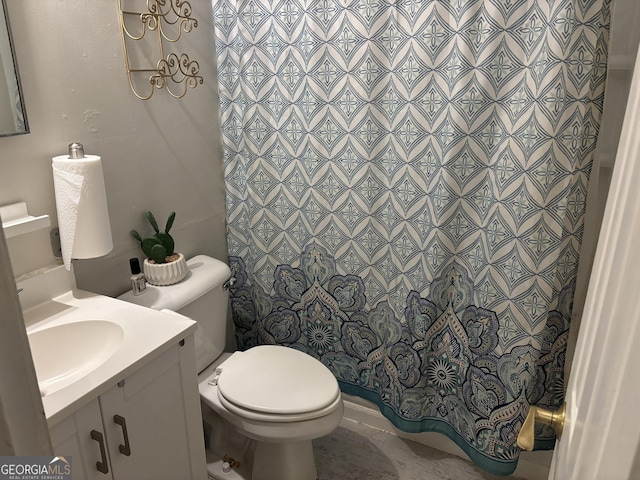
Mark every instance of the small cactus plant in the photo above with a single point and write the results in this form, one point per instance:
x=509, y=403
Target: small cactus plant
x=159, y=247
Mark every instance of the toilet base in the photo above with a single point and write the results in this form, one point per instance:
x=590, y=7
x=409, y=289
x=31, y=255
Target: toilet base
x=284, y=461
x=271, y=461
x=256, y=460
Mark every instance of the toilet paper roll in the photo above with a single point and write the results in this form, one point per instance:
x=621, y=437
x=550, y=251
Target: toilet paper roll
x=81, y=200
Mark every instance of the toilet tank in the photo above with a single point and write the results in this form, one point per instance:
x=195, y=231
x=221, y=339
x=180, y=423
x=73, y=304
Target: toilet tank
x=199, y=296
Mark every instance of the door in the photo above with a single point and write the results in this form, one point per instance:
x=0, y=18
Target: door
x=601, y=436
x=147, y=425
x=81, y=437
x=24, y=426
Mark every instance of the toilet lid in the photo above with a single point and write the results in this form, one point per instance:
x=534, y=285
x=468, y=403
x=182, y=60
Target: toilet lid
x=276, y=380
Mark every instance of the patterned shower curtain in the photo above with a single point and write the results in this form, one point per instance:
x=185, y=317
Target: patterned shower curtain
x=406, y=185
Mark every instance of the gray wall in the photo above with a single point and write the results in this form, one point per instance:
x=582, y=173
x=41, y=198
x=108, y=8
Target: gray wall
x=161, y=155
x=165, y=154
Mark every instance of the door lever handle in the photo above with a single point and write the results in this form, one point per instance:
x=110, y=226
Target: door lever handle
x=554, y=418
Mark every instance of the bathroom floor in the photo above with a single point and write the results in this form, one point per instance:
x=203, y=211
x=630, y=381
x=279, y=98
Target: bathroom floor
x=358, y=452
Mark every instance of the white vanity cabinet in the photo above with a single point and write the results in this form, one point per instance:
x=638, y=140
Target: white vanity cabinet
x=72, y=438
x=147, y=426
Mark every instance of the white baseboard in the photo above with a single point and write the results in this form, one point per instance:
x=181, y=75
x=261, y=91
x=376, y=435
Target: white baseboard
x=531, y=466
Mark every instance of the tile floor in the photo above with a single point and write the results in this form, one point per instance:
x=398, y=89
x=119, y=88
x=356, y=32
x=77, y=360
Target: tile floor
x=358, y=452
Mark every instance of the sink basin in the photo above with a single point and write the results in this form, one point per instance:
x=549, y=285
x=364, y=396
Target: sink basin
x=64, y=353
x=83, y=343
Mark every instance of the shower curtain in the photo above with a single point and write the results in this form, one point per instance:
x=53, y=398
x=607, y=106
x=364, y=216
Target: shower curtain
x=406, y=185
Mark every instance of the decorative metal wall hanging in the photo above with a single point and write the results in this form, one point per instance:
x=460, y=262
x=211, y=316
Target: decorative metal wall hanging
x=168, y=20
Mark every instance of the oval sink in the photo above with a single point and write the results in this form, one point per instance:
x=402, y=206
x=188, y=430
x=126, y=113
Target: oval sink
x=64, y=353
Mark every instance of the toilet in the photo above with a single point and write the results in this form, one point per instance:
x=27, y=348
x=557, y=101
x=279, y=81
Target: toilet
x=261, y=407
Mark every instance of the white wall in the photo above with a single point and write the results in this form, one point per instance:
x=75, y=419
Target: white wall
x=163, y=154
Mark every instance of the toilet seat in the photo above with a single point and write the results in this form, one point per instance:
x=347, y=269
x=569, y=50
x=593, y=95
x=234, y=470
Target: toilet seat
x=279, y=418
x=276, y=384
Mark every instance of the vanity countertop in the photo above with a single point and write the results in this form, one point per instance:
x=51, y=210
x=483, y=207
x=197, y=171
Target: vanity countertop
x=141, y=334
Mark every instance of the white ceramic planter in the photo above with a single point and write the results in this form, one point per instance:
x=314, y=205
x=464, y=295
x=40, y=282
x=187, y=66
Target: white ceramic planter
x=165, y=273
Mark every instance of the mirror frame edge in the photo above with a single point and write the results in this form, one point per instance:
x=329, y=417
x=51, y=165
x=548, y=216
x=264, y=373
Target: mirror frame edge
x=17, y=75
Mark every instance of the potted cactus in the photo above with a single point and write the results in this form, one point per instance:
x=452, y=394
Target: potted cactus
x=163, y=266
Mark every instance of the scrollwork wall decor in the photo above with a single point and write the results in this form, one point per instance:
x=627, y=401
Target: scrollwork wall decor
x=168, y=20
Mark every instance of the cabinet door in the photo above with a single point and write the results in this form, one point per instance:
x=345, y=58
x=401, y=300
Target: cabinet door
x=152, y=420
x=72, y=437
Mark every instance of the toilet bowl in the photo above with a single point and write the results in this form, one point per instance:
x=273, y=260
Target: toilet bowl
x=277, y=397
x=282, y=399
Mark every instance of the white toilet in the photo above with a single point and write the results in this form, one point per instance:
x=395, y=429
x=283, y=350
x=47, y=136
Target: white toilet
x=276, y=398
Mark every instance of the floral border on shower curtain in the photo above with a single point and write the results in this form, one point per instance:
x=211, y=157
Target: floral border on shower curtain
x=406, y=186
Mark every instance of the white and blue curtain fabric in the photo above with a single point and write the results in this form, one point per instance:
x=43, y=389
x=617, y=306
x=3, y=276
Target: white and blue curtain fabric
x=406, y=185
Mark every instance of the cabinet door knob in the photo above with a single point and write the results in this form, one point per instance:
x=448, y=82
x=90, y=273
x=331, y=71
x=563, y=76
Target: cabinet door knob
x=126, y=448
x=102, y=466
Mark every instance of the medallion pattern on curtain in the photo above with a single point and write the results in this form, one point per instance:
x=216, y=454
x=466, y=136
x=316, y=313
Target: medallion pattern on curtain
x=406, y=184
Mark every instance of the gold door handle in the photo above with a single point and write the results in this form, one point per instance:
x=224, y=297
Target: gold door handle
x=544, y=416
